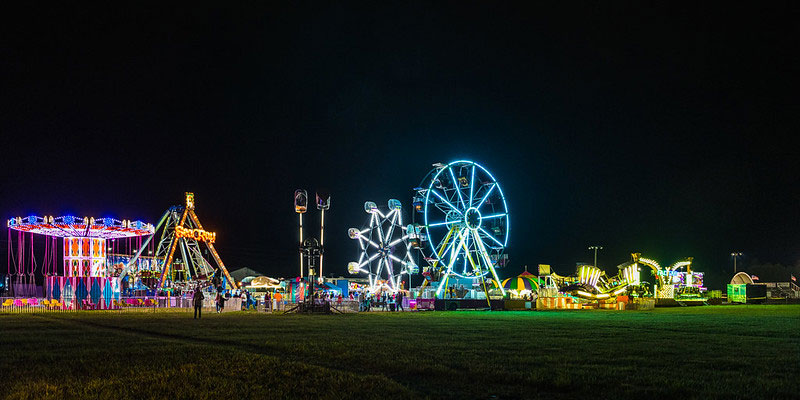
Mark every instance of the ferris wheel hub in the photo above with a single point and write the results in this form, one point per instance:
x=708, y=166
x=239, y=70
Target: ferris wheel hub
x=472, y=218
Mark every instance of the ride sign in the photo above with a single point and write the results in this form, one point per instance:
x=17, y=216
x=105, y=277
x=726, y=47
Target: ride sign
x=196, y=234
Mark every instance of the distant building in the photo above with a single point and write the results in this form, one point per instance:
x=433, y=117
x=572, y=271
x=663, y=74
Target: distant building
x=744, y=289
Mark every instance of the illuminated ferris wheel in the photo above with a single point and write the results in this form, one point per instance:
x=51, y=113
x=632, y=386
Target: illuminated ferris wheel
x=465, y=221
x=384, y=244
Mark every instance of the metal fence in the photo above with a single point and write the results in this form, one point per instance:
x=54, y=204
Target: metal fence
x=166, y=303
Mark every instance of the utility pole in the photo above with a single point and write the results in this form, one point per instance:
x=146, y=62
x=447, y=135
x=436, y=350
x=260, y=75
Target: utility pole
x=595, y=248
x=735, y=255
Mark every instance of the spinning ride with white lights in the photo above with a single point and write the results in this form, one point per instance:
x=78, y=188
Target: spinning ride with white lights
x=384, y=244
x=465, y=217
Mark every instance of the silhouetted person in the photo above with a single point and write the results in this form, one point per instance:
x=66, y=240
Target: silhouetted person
x=197, y=300
x=399, y=301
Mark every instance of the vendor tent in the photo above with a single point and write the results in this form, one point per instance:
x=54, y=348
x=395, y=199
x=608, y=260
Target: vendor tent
x=241, y=273
x=520, y=283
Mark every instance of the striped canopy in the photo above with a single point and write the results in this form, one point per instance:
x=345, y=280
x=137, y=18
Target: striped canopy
x=519, y=283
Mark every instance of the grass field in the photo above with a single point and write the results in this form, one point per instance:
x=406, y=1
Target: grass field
x=746, y=352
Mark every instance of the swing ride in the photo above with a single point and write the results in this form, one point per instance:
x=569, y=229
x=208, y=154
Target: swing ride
x=384, y=259
x=86, y=273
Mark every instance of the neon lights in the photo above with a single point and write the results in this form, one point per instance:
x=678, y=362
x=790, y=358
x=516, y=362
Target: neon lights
x=589, y=275
x=445, y=201
x=472, y=218
x=378, y=248
x=190, y=200
x=446, y=205
x=196, y=234
x=69, y=226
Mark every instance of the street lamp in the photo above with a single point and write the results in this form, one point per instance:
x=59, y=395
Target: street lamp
x=735, y=255
x=595, y=248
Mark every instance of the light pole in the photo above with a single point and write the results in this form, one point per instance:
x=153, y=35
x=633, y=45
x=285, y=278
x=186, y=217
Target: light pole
x=595, y=248
x=300, y=206
x=735, y=255
x=323, y=203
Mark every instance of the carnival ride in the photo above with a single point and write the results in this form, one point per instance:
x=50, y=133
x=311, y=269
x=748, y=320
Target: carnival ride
x=300, y=207
x=464, y=223
x=178, y=262
x=87, y=274
x=383, y=258
x=591, y=283
x=310, y=250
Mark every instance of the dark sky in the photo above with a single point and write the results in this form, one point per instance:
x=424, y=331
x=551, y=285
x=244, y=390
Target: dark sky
x=666, y=129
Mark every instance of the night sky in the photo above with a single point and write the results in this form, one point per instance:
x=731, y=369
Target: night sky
x=665, y=129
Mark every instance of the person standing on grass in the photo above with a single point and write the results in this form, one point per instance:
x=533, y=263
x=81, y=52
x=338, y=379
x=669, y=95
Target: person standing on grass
x=267, y=302
x=197, y=299
x=399, y=301
x=218, y=301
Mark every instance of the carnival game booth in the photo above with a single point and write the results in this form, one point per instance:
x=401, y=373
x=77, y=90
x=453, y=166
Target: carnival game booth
x=87, y=279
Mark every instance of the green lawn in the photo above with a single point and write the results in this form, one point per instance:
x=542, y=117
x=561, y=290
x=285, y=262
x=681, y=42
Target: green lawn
x=727, y=352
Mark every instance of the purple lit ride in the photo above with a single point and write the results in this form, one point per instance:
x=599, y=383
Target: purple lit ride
x=87, y=278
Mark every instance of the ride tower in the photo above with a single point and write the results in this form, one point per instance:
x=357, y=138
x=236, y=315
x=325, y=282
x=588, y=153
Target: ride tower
x=179, y=257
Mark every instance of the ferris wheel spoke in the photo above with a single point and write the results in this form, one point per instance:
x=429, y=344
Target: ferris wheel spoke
x=390, y=270
x=435, y=193
x=369, y=260
x=373, y=244
x=361, y=258
x=396, y=241
x=493, y=216
x=455, y=185
x=486, y=196
x=390, y=229
x=378, y=269
x=438, y=224
x=468, y=255
x=491, y=237
x=394, y=258
x=380, y=233
x=471, y=184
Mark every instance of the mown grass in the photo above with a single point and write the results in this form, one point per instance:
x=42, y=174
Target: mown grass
x=746, y=352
